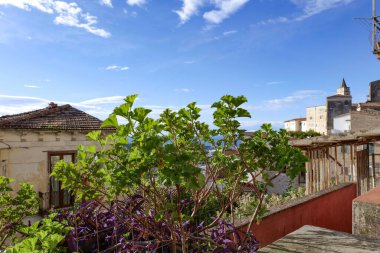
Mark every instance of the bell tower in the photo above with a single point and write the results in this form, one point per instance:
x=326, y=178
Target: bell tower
x=343, y=90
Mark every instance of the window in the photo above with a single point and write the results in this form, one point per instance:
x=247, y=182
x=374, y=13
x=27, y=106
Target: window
x=58, y=197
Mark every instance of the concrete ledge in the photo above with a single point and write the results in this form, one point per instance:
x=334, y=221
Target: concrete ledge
x=310, y=239
x=366, y=214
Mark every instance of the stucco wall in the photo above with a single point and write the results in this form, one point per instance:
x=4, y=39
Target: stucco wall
x=330, y=209
x=27, y=158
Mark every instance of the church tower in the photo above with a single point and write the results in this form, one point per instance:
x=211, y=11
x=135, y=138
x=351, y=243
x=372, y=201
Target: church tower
x=343, y=90
x=338, y=104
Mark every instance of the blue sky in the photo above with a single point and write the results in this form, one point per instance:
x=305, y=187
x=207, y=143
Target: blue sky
x=283, y=55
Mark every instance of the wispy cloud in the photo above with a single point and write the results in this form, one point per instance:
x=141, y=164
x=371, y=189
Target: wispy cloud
x=222, y=9
x=309, y=8
x=116, y=68
x=107, y=3
x=132, y=14
x=274, y=83
x=183, y=90
x=300, y=95
x=32, y=86
x=104, y=100
x=68, y=14
x=228, y=33
x=313, y=7
x=189, y=62
x=136, y=2
x=99, y=107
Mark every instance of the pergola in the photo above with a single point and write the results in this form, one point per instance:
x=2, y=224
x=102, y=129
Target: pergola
x=330, y=166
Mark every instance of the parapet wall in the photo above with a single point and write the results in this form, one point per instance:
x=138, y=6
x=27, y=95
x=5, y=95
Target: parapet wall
x=331, y=208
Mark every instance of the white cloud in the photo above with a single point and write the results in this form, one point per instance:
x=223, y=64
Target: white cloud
x=32, y=86
x=224, y=9
x=107, y=3
x=189, y=9
x=189, y=62
x=117, y=68
x=69, y=14
x=136, y=2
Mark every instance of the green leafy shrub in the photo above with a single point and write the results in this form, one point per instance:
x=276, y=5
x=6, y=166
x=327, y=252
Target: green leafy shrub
x=41, y=237
x=14, y=208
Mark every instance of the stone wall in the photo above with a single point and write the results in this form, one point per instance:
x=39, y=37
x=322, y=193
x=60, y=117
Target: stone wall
x=365, y=120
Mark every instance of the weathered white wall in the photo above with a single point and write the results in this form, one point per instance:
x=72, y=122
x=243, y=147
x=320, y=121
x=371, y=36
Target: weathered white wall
x=27, y=158
x=342, y=123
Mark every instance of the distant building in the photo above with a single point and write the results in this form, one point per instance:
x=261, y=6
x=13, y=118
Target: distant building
x=316, y=118
x=297, y=124
x=374, y=91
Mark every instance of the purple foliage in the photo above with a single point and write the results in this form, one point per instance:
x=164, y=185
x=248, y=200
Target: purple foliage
x=124, y=226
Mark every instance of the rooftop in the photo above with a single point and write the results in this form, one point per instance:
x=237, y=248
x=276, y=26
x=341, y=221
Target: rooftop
x=53, y=117
x=296, y=119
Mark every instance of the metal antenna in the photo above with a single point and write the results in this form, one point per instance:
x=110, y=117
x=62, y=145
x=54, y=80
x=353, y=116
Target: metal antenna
x=375, y=31
x=374, y=27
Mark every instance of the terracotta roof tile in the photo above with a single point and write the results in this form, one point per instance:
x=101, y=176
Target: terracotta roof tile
x=53, y=117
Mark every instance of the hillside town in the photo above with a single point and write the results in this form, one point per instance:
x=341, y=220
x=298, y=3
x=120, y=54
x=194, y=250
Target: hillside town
x=128, y=126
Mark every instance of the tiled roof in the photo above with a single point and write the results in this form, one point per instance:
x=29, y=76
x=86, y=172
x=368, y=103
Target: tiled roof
x=53, y=117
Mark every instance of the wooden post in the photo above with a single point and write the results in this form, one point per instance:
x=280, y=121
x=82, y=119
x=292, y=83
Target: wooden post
x=328, y=166
x=336, y=165
x=319, y=170
x=374, y=165
x=315, y=171
x=344, y=163
x=308, y=170
x=323, y=156
x=352, y=163
x=355, y=170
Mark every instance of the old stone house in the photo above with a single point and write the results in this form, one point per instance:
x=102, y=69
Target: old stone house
x=31, y=143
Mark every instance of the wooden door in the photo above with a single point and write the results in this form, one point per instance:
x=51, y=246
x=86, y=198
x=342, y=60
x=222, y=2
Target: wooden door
x=59, y=198
x=363, y=171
